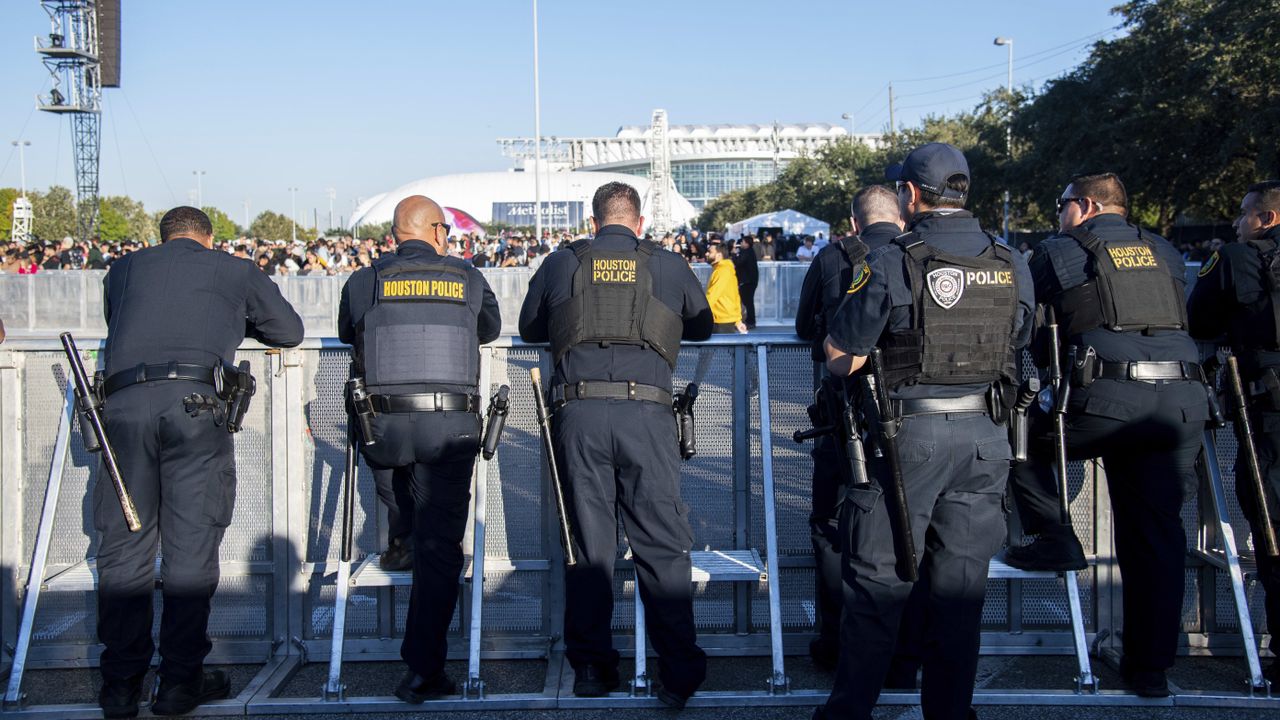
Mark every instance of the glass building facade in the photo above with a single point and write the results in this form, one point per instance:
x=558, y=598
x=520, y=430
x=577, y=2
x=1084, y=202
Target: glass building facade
x=701, y=181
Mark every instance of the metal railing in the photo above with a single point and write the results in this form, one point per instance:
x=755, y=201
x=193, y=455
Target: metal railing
x=279, y=556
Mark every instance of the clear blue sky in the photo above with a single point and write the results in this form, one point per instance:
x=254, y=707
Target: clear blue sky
x=365, y=96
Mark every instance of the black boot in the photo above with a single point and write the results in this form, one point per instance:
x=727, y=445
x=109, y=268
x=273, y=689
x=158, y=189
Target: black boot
x=399, y=555
x=595, y=680
x=416, y=689
x=1057, y=552
x=119, y=698
x=182, y=698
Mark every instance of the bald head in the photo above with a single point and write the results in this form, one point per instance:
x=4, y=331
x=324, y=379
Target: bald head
x=417, y=218
x=874, y=204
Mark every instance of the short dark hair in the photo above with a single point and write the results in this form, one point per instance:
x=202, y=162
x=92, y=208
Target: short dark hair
x=615, y=202
x=1268, y=195
x=958, y=182
x=874, y=203
x=183, y=221
x=1104, y=188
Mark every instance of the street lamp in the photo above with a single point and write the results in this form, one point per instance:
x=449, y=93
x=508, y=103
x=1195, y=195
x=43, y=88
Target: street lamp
x=848, y=116
x=199, y=187
x=537, y=132
x=22, y=162
x=293, y=214
x=1008, y=129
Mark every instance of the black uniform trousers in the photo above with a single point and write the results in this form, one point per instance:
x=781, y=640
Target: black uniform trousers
x=954, y=469
x=1148, y=436
x=624, y=454
x=438, y=450
x=747, y=291
x=1266, y=431
x=824, y=533
x=180, y=471
x=394, y=486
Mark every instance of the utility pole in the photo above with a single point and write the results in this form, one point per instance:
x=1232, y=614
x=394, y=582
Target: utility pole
x=892, y=127
x=1008, y=130
x=293, y=214
x=332, y=194
x=199, y=188
x=246, y=215
x=537, y=133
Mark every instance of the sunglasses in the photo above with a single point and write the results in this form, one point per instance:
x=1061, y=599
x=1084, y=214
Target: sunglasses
x=1062, y=202
x=447, y=227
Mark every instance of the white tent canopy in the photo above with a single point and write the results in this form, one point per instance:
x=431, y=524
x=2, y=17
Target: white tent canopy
x=791, y=222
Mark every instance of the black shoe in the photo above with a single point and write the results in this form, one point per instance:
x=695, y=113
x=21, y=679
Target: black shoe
x=1147, y=683
x=595, y=681
x=399, y=556
x=669, y=698
x=1057, y=553
x=119, y=698
x=825, y=654
x=182, y=698
x=416, y=689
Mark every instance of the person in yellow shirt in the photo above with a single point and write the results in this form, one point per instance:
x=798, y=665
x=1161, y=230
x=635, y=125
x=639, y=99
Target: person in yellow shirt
x=722, y=291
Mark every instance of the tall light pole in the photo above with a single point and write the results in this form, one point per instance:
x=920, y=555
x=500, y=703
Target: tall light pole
x=245, y=202
x=1008, y=130
x=22, y=215
x=537, y=133
x=332, y=194
x=293, y=214
x=199, y=187
x=848, y=116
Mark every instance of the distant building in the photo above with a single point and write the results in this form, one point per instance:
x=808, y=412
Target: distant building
x=707, y=161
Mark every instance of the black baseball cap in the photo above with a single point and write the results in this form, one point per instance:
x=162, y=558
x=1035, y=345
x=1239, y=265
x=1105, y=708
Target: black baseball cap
x=929, y=166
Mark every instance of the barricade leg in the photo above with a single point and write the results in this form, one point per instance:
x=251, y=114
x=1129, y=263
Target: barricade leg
x=640, y=684
x=778, y=682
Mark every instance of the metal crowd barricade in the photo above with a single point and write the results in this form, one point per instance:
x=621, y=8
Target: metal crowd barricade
x=748, y=488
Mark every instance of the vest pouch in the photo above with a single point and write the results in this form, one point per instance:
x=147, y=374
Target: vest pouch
x=424, y=353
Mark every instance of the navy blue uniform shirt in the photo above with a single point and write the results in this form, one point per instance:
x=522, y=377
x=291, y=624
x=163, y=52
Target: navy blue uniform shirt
x=1229, y=298
x=828, y=278
x=674, y=285
x=883, y=302
x=1060, y=263
x=182, y=302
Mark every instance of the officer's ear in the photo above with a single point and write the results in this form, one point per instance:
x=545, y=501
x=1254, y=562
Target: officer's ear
x=595, y=226
x=1269, y=218
x=639, y=226
x=853, y=223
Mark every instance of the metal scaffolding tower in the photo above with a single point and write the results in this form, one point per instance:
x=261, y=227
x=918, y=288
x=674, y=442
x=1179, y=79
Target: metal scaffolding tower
x=71, y=54
x=660, y=174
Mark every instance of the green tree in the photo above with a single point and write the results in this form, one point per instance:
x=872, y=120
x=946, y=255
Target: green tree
x=7, y=196
x=274, y=226
x=112, y=225
x=224, y=228
x=54, y=213
x=142, y=225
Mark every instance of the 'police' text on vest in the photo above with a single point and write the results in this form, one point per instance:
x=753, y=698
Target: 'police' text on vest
x=424, y=290
x=1132, y=257
x=610, y=270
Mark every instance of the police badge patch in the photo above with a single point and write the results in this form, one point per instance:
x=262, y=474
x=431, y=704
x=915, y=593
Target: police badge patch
x=1208, y=265
x=946, y=285
x=860, y=279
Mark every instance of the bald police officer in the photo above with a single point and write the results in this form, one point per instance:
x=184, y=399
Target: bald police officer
x=1236, y=295
x=948, y=306
x=614, y=309
x=876, y=222
x=416, y=320
x=1137, y=401
x=175, y=315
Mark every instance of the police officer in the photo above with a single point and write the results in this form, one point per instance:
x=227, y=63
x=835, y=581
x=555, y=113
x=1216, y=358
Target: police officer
x=175, y=315
x=948, y=305
x=1235, y=295
x=393, y=487
x=1137, y=400
x=416, y=320
x=876, y=222
x=614, y=310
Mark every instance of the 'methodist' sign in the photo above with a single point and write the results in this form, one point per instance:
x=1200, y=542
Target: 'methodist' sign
x=555, y=214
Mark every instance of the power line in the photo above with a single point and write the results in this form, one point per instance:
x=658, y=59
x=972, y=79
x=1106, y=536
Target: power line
x=970, y=71
x=173, y=198
x=1000, y=75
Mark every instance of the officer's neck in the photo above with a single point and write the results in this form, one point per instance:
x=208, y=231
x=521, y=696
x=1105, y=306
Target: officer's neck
x=418, y=244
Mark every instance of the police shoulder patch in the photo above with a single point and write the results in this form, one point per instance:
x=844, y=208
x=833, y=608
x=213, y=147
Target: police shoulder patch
x=860, y=278
x=1208, y=265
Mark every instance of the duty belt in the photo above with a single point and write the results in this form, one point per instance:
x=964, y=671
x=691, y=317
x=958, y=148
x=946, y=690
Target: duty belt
x=1148, y=370
x=935, y=406
x=148, y=373
x=426, y=402
x=604, y=390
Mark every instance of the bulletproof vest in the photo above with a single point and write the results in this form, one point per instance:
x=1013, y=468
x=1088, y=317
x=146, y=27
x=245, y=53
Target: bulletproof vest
x=613, y=302
x=1269, y=272
x=1132, y=289
x=963, y=315
x=422, y=326
x=854, y=252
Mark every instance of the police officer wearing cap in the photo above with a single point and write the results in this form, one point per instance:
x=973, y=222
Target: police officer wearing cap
x=614, y=309
x=416, y=320
x=949, y=306
x=1137, y=400
x=175, y=315
x=1236, y=295
x=876, y=222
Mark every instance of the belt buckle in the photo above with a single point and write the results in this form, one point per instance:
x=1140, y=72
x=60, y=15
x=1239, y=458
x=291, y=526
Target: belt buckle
x=1132, y=371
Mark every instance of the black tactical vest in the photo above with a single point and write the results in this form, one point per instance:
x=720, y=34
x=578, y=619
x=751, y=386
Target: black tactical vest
x=963, y=315
x=1131, y=290
x=613, y=302
x=422, y=326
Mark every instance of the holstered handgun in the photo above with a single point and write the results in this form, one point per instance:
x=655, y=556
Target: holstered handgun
x=1019, y=423
x=495, y=420
x=682, y=404
x=241, y=387
x=361, y=408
